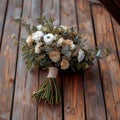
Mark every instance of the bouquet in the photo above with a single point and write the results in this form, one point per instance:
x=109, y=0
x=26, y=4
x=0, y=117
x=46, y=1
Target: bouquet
x=54, y=48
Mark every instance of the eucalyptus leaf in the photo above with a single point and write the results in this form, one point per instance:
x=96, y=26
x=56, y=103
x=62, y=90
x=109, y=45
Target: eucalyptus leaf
x=68, y=54
x=65, y=49
x=98, y=54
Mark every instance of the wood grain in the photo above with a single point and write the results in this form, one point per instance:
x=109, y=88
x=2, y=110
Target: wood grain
x=116, y=28
x=73, y=86
x=3, y=6
x=45, y=111
x=83, y=94
x=109, y=67
x=92, y=84
x=8, y=59
x=25, y=107
x=73, y=96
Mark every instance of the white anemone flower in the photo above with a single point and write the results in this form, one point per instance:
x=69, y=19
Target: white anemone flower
x=81, y=55
x=37, y=36
x=39, y=27
x=48, y=38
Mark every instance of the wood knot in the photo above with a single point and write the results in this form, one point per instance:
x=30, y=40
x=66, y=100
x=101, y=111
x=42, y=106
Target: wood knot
x=10, y=82
x=68, y=109
x=72, y=111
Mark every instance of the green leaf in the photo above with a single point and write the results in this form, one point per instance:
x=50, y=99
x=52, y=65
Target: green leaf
x=34, y=28
x=18, y=20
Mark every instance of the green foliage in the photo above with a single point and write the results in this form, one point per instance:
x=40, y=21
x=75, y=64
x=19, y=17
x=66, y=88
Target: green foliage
x=42, y=60
x=23, y=23
x=34, y=28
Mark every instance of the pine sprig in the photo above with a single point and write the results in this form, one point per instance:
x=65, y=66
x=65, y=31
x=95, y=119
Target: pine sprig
x=48, y=92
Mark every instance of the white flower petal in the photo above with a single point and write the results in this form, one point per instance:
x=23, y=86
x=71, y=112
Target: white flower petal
x=37, y=48
x=37, y=36
x=48, y=38
x=63, y=27
x=60, y=41
x=39, y=27
x=39, y=44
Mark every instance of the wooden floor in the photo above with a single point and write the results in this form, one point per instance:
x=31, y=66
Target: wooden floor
x=93, y=95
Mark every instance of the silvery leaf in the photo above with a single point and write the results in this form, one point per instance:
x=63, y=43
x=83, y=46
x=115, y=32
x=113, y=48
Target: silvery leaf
x=65, y=49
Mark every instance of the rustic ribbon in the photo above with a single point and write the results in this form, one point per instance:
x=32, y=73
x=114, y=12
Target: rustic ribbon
x=53, y=72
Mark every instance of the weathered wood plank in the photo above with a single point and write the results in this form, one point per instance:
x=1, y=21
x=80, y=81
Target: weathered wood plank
x=51, y=8
x=110, y=69
x=73, y=97
x=25, y=107
x=95, y=1
x=45, y=111
x=8, y=59
x=3, y=5
x=92, y=84
x=117, y=35
x=73, y=86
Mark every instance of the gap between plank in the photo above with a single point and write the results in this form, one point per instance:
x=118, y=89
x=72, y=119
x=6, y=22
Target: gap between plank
x=41, y=3
x=115, y=39
x=93, y=24
x=82, y=72
x=62, y=91
x=61, y=74
x=19, y=32
x=84, y=96
x=4, y=19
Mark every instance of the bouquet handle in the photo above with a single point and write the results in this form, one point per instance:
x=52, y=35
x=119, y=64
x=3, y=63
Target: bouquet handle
x=49, y=91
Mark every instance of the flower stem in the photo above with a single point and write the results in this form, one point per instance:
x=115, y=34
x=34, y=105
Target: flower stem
x=48, y=92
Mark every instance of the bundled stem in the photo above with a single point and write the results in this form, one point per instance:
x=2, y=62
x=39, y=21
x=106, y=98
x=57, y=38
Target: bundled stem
x=48, y=91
